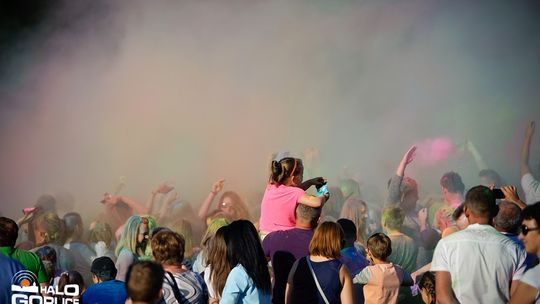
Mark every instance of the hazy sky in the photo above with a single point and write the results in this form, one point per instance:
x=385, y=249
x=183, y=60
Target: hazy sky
x=194, y=91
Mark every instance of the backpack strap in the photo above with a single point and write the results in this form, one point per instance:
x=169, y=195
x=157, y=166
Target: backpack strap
x=174, y=287
x=321, y=292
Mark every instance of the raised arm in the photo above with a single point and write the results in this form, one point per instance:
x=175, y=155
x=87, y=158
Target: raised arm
x=524, y=159
x=139, y=208
x=478, y=159
x=162, y=188
x=205, y=207
x=511, y=195
x=394, y=194
x=170, y=198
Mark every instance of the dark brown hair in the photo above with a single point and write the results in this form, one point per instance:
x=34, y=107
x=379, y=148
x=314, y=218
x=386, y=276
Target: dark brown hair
x=9, y=232
x=168, y=248
x=481, y=202
x=284, y=169
x=427, y=282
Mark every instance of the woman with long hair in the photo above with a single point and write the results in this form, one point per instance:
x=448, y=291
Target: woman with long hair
x=320, y=277
x=231, y=206
x=217, y=266
x=133, y=244
x=249, y=279
x=284, y=191
x=356, y=210
x=200, y=258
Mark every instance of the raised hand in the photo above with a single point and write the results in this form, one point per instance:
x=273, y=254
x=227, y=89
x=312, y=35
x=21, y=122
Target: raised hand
x=407, y=159
x=510, y=193
x=110, y=199
x=318, y=181
x=530, y=129
x=163, y=188
x=409, y=156
x=217, y=186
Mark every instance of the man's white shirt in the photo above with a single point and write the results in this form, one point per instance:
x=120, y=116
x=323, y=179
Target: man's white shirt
x=482, y=263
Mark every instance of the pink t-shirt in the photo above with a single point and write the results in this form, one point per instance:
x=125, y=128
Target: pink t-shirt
x=277, y=208
x=381, y=283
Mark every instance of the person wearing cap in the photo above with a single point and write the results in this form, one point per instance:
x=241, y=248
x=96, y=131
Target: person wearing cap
x=106, y=289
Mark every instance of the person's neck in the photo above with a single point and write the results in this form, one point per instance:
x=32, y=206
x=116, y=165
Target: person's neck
x=378, y=262
x=454, y=199
x=319, y=258
x=174, y=268
x=300, y=224
x=479, y=220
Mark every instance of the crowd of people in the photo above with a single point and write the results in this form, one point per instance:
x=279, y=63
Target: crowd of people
x=309, y=244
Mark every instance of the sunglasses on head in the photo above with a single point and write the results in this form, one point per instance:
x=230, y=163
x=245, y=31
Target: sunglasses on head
x=525, y=230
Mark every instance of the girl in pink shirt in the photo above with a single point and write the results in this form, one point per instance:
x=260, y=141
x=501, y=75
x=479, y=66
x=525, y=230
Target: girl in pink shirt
x=284, y=190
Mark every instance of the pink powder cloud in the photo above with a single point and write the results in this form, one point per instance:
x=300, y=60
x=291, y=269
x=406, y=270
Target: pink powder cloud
x=435, y=150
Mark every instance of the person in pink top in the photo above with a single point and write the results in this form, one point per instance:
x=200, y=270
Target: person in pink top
x=284, y=191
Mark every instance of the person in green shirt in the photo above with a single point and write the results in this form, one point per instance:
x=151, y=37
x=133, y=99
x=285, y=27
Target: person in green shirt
x=9, y=231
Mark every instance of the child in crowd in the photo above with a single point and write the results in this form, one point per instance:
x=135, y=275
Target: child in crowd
x=101, y=239
x=427, y=288
x=284, y=191
x=144, y=281
x=382, y=279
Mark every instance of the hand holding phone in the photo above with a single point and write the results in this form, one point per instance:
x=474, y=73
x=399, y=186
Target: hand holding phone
x=322, y=190
x=498, y=193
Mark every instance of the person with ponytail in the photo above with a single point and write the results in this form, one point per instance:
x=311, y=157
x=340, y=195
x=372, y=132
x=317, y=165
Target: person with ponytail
x=284, y=191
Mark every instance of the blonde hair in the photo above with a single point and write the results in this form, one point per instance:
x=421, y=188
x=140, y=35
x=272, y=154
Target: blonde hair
x=129, y=235
x=327, y=240
x=213, y=226
x=100, y=231
x=52, y=225
x=183, y=228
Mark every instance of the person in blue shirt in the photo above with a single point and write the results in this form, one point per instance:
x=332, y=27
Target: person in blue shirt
x=105, y=289
x=249, y=279
x=8, y=268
